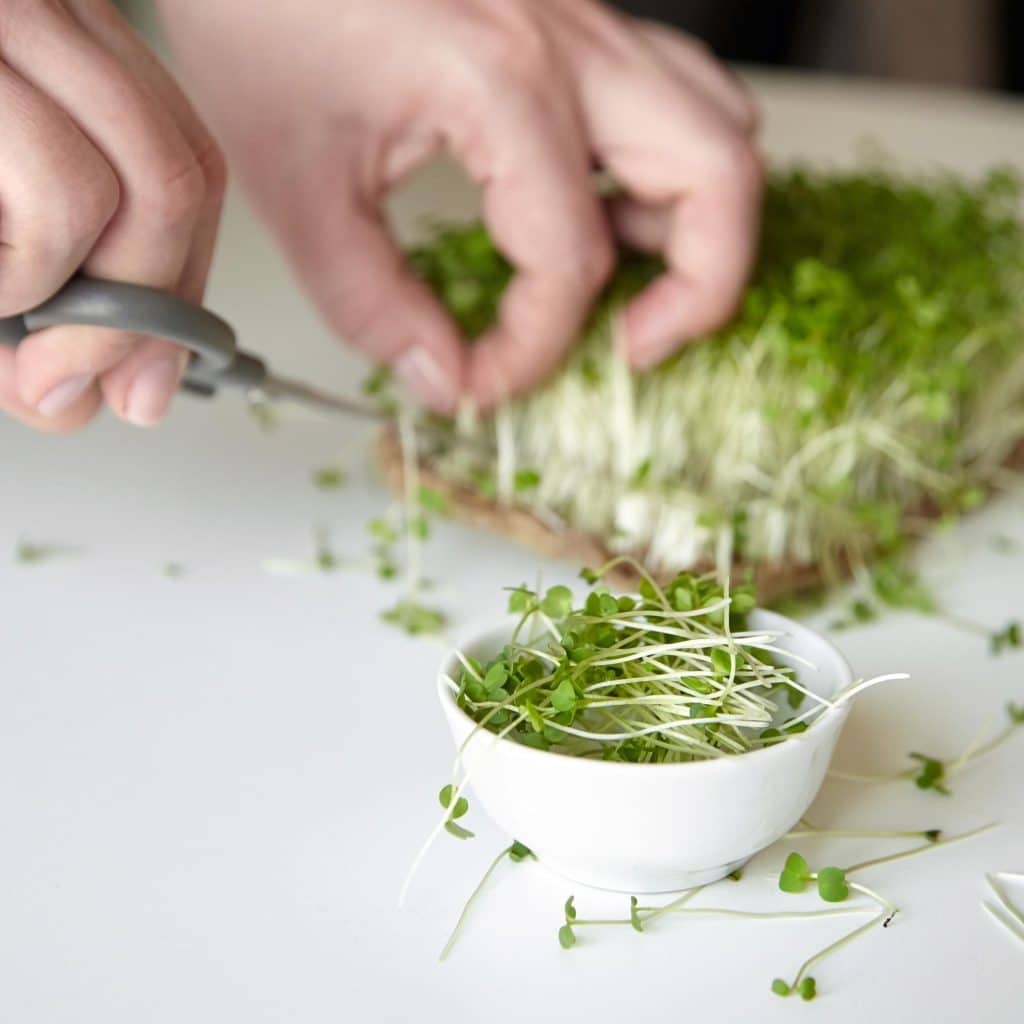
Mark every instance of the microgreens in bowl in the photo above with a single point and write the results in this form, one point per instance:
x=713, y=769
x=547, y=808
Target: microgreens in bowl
x=670, y=674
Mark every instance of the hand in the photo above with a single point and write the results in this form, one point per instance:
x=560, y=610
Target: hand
x=105, y=168
x=325, y=106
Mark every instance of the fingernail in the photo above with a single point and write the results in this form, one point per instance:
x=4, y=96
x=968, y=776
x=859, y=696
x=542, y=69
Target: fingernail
x=419, y=370
x=152, y=391
x=60, y=398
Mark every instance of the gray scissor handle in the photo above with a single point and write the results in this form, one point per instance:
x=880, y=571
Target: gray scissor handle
x=88, y=301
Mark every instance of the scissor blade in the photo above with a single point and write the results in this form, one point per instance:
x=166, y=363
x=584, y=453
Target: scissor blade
x=278, y=388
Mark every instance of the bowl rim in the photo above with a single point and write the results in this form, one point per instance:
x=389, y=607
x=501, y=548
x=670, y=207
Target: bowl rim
x=812, y=735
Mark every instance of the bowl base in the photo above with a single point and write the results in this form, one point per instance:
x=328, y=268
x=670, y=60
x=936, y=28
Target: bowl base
x=639, y=882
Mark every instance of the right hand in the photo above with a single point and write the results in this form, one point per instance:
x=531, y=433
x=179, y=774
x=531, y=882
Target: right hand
x=105, y=169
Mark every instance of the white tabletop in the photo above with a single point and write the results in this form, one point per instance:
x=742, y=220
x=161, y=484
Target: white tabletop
x=211, y=787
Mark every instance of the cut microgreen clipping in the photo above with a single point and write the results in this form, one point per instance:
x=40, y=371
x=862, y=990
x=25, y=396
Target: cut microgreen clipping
x=892, y=583
x=857, y=399
x=934, y=773
x=517, y=853
x=413, y=527
x=30, y=553
x=672, y=674
x=329, y=478
x=832, y=884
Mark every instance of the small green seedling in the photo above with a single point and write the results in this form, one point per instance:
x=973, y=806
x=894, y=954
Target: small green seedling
x=329, y=478
x=1007, y=638
x=931, y=775
x=459, y=810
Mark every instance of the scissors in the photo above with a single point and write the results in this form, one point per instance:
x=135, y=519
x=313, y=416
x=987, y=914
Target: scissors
x=216, y=363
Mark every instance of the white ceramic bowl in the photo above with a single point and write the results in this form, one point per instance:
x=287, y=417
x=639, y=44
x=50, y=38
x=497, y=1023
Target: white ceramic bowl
x=646, y=828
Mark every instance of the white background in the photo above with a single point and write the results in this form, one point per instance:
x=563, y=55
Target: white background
x=211, y=788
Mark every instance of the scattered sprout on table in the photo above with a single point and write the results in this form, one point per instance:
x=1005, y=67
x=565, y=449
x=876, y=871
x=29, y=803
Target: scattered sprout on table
x=329, y=478
x=32, y=553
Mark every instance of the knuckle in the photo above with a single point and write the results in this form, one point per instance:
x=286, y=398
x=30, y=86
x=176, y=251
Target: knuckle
x=213, y=166
x=736, y=159
x=175, y=193
x=93, y=205
x=520, y=55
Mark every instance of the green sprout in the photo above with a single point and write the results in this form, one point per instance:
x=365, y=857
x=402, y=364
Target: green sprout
x=414, y=618
x=934, y=773
x=30, y=553
x=517, y=852
x=674, y=673
x=854, y=401
x=329, y=478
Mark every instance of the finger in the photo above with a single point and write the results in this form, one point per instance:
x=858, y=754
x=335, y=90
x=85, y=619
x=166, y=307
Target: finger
x=671, y=148
x=105, y=24
x=57, y=195
x=336, y=237
x=642, y=226
x=147, y=240
x=696, y=66
x=527, y=149
x=76, y=413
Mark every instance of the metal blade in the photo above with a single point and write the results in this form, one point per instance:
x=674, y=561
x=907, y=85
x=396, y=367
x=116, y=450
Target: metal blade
x=278, y=388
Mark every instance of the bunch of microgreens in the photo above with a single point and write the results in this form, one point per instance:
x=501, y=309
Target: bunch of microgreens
x=872, y=381
x=672, y=674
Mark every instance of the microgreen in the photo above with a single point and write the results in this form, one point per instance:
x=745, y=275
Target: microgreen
x=795, y=875
x=855, y=388
x=324, y=556
x=414, y=618
x=932, y=774
x=671, y=674
x=1006, y=638
x=29, y=553
x=264, y=414
x=517, y=852
x=329, y=478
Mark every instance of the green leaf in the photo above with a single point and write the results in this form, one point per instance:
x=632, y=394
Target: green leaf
x=414, y=618
x=445, y=798
x=570, y=909
x=457, y=830
x=563, y=697
x=557, y=602
x=795, y=874
x=721, y=661
x=495, y=677
x=520, y=599
x=432, y=500
x=526, y=480
x=518, y=851
x=589, y=575
x=382, y=530
x=329, y=478
x=931, y=775
x=832, y=885
x=1006, y=638
x=27, y=553
x=781, y=988
x=634, y=915
x=1016, y=713
x=808, y=989
x=566, y=937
